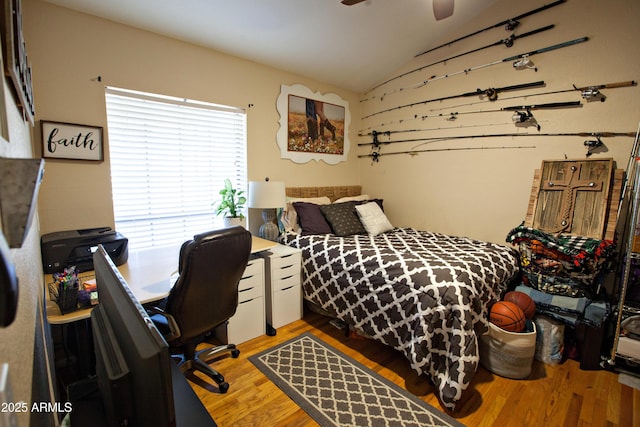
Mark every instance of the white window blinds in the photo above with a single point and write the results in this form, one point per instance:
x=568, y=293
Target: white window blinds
x=169, y=159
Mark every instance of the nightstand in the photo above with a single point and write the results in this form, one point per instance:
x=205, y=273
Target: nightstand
x=249, y=320
x=283, y=286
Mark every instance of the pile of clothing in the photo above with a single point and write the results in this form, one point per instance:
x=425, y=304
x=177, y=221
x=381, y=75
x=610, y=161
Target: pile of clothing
x=561, y=274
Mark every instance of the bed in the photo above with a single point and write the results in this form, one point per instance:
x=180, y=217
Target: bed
x=425, y=294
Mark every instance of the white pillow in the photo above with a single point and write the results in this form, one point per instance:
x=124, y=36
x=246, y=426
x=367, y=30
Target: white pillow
x=289, y=217
x=373, y=219
x=359, y=198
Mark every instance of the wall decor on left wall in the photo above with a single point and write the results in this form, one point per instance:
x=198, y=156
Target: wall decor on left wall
x=16, y=63
x=71, y=141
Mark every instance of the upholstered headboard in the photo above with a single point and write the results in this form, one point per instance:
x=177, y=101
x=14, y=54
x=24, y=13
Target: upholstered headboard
x=332, y=193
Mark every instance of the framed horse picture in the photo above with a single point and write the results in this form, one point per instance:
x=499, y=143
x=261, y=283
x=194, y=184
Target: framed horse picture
x=312, y=126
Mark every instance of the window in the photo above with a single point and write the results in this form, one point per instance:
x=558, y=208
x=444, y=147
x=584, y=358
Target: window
x=169, y=159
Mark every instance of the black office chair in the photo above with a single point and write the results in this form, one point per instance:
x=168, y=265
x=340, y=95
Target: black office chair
x=204, y=297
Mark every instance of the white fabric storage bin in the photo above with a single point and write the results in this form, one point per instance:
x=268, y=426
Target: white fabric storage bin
x=508, y=354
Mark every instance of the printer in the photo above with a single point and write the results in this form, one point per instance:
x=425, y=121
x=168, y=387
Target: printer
x=62, y=249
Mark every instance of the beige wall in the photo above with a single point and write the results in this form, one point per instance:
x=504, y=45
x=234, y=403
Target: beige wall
x=484, y=193
x=17, y=340
x=68, y=50
x=479, y=193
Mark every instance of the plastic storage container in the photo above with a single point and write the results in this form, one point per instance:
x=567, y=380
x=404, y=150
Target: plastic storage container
x=550, y=340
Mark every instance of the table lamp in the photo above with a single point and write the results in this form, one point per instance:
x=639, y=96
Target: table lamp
x=268, y=196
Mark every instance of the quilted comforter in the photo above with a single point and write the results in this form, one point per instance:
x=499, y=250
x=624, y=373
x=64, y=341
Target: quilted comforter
x=425, y=294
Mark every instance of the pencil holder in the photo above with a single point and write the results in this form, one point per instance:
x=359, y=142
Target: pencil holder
x=64, y=289
x=68, y=299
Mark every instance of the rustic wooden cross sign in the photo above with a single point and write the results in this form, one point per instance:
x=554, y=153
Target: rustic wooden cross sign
x=569, y=188
x=574, y=197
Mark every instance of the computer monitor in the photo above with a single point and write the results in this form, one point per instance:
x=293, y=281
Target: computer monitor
x=143, y=350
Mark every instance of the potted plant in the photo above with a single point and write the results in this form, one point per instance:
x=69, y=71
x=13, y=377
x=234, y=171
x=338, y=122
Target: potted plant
x=231, y=205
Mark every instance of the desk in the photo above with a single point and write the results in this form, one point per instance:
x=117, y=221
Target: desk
x=148, y=274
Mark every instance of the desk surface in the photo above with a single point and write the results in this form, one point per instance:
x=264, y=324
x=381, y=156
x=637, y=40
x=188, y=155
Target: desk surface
x=148, y=274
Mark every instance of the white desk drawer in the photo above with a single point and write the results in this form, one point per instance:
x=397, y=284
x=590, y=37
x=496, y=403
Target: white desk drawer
x=251, y=282
x=249, y=320
x=247, y=323
x=255, y=267
x=286, y=306
x=283, y=292
x=250, y=292
x=285, y=261
x=286, y=272
x=253, y=276
x=285, y=282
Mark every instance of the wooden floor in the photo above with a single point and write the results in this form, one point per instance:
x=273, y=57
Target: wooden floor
x=553, y=395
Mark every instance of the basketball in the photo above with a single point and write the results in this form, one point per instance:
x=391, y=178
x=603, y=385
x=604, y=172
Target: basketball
x=523, y=301
x=507, y=316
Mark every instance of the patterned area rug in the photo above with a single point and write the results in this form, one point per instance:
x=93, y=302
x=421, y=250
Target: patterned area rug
x=336, y=390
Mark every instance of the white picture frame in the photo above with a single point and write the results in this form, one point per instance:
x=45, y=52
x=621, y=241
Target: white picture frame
x=313, y=126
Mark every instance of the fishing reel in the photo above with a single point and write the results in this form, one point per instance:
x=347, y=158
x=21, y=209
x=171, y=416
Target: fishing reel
x=591, y=93
x=524, y=63
x=491, y=93
x=375, y=149
x=508, y=42
x=511, y=25
x=376, y=141
x=592, y=145
x=524, y=117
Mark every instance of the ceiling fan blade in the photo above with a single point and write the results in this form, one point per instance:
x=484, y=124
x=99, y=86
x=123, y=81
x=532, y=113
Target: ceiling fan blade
x=442, y=9
x=351, y=2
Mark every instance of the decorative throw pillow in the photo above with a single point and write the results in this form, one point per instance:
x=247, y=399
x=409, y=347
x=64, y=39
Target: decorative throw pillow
x=311, y=219
x=343, y=218
x=289, y=216
x=373, y=219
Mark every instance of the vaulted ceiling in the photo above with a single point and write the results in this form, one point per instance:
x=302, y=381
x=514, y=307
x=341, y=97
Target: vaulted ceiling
x=353, y=47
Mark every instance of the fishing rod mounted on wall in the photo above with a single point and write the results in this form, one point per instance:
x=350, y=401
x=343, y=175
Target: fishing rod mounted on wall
x=523, y=112
x=604, y=134
x=375, y=155
x=516, y=58
x=508, y=42
x=590, y=144
x=490, y=93
x=509, y=24
x=589, y=93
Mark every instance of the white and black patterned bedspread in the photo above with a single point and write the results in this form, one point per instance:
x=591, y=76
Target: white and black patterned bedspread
x=425, y=294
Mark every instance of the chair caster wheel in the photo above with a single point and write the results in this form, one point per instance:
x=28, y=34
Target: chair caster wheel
x=235, y=353
x=223, y=387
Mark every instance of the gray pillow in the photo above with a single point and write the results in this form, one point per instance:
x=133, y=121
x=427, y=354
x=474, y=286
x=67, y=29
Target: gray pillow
x=343, y=218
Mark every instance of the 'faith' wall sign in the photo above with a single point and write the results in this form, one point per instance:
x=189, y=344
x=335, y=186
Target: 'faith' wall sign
x=71, y=141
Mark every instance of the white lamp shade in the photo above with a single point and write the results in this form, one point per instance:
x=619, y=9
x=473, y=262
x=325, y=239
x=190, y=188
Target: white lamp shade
x=266, y=194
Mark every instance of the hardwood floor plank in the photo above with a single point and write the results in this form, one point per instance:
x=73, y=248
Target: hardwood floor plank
x=560, y=395
x=588, y=406
x=610, y=393
x=635, y=407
